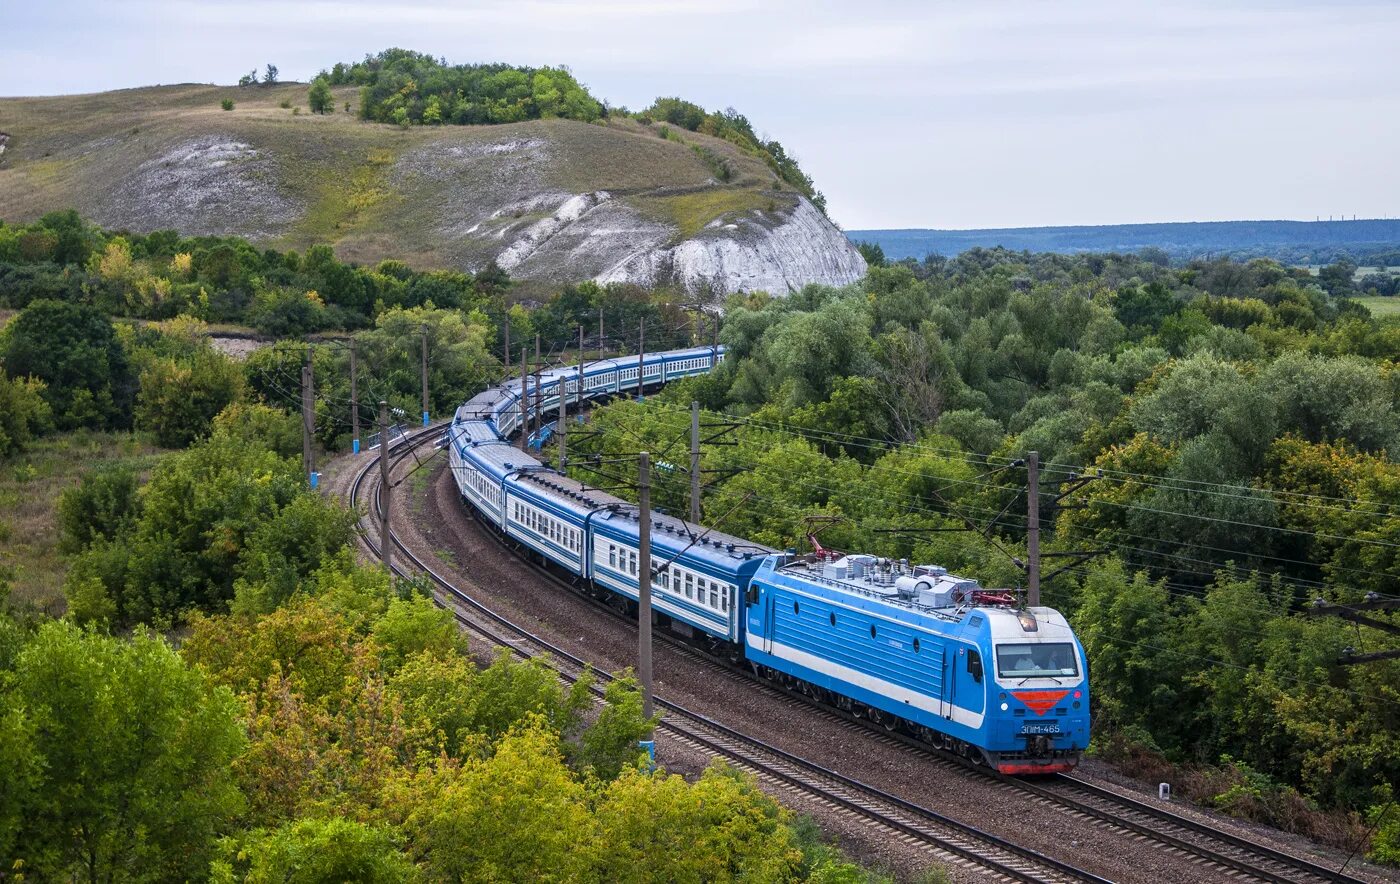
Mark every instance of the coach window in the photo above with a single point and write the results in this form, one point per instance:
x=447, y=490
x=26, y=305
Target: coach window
x=714, y=595
x=689, y=585
x=612, y=556
x=632, y=562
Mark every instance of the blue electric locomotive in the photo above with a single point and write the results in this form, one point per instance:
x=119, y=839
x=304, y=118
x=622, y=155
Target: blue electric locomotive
x=909, y=647
x=918, y=648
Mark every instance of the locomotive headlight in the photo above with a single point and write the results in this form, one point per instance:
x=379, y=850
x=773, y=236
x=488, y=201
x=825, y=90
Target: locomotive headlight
x=1004, y=707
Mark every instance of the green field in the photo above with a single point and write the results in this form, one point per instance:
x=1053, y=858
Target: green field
x=1381, y=306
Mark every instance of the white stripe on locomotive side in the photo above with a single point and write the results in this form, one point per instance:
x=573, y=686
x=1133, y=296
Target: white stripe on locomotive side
x=924, y=702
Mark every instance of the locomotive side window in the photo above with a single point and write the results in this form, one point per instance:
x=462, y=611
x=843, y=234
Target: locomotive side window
x=974, y=665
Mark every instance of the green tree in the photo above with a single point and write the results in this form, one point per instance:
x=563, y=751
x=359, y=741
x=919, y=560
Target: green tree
x=314, y=851
x=125, y=754
x=270, y=75
x=74, y=350
x=1337, y=277
x=180, y=398
x=872, y=252
x=24, y=414
x=320, y=99
x=519, y=815
x=101, y=506
x=722, y=828
x=216, y=514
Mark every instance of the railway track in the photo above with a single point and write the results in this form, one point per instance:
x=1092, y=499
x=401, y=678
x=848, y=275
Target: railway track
x=951, y=841
x=1233, y=856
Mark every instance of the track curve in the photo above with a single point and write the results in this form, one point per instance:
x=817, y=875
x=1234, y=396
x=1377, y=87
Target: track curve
x=950, y=840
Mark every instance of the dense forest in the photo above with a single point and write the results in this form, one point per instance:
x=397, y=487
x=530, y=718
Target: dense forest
x=1236, y=424
x=411, y=88
x=1217, y=452
x=222, y=692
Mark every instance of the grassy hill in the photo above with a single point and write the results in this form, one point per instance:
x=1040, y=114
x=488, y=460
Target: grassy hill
x=169, y=156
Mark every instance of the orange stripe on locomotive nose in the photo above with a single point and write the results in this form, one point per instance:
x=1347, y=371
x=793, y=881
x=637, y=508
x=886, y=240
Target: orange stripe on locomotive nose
x=1040, y=701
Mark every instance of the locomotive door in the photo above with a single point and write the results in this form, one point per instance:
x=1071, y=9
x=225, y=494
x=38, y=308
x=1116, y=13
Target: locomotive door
x=945, y=706
x=767, y=644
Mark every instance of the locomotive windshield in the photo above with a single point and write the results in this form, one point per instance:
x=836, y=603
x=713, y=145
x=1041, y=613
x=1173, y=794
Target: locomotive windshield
x=1037, y=660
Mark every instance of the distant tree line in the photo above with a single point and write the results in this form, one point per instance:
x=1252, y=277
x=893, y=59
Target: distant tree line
x=269, y=77
x=226, y=279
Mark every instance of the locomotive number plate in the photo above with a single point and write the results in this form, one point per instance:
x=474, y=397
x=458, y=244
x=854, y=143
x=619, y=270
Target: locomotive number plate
x=1047, y=728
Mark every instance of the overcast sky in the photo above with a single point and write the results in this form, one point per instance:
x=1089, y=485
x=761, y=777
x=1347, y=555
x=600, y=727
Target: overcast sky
x=974, y=113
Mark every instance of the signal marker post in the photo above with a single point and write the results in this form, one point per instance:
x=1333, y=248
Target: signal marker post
x=386, y=490
x=1033, y=529
x=644, y=581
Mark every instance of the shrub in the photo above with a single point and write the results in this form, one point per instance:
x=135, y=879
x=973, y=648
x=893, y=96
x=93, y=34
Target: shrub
x=285, y=104
x=23, y=412
x=100, y=507
x=1385, y=844
x=74, y=350
x=226, y=104
x=179, y=398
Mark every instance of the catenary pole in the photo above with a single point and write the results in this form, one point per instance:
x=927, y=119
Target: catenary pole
x=308, y=420
x=562, y=428
x=538, y=410
x=600, y=334
x=644, y=581
x=641, y=354
x=507, y=328
x=424, y=332
x=524, y=402
x=695, y=462
x=386, y=490
x=1033, y=528
x=354, y=400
